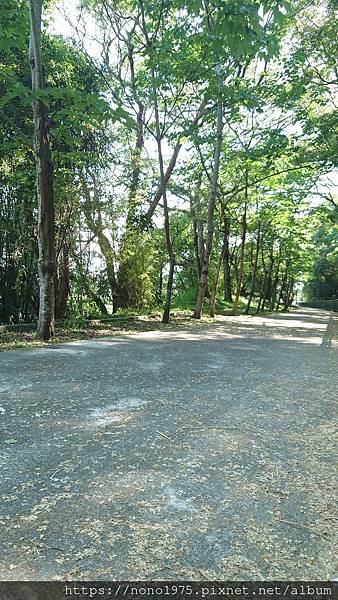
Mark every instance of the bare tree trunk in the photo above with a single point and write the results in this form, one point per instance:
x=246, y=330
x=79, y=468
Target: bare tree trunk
x=197, y=228
x=226, y=263
x=171, y=167
x=290, y=293
x=274, y=285
x=166, y=310
x=197, y=256
x=261, y=292
x=284, y=296
x=130, y=293
x=44, y=181
x=211, y=207
x=215, y=285
x=95, y=297
x=62, y=281
x=268, y=281
x=241, y=260
x=263, y=284
x=283, y=284
x=160, y=285
x=254, y=270
x=172, y=261
x=163, y=181
x=95, y=225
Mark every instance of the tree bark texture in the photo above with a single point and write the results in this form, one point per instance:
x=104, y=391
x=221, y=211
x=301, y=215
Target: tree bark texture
x=44, y=182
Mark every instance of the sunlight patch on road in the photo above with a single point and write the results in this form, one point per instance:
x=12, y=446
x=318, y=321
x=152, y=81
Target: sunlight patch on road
x=64, y=350
x=117, y=412
x=289, y=324
x=316, y=341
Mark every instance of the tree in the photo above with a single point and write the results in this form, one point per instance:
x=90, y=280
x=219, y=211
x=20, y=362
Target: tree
x=44, y=181
x=187, y=151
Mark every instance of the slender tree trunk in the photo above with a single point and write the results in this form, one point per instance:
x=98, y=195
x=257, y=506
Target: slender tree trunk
x=284, y=297
x=130, y=288
x=211, y=207
x=95, y=297
x=226, y=262
x=171, y=167
x=274, y=286
x=160, y=285
x=62, y=282
x=254, y=270
x=167, y=305
x=242, y=251
x=282, y=287
x=163, y=181
x=96, y=227
x=263, y=283
x=290, y=294
x=136, y=167
x=197, y=228
x=215, y=284
x=268, y=282
x=197, y=256
x=44, y=181
x=166, y=310
x=261, y=292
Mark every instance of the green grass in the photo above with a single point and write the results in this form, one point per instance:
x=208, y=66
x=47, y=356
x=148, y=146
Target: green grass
x=187, y=301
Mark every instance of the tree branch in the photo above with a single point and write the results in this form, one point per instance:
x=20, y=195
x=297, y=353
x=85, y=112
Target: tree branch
x=24, y=138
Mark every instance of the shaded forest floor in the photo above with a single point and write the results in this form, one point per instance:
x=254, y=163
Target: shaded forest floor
x=23, y=336
x=201, y=453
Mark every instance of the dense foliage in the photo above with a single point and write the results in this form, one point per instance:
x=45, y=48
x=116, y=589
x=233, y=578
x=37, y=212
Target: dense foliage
x=193, y=144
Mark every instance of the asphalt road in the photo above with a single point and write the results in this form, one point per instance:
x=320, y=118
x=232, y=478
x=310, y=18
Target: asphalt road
x=198, y=454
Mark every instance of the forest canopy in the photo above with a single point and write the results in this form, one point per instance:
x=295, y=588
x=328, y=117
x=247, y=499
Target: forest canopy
x=166, y=153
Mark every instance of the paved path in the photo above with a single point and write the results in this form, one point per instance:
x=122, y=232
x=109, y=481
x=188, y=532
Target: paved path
x=200, y=453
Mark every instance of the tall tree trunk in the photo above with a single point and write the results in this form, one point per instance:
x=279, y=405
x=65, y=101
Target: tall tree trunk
x=172, y=261
x=215, y=284
x=267, y=287
x=242, y=251
x=95, y=297
x=211, y=207
x=287, y=300
x=130, y=288
x=274, y=285
x=44, y=182
x=171, y=167
x=261, y=292
x=95, y=225
x=254, y=270
x=290, y=293
x=167, y=305
x=62, y=287
x=283, y=285
x=197, y=224
x=196, y=248
x=160, y=285
x=163, y=180
x=226, y=262
x=139, y=143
